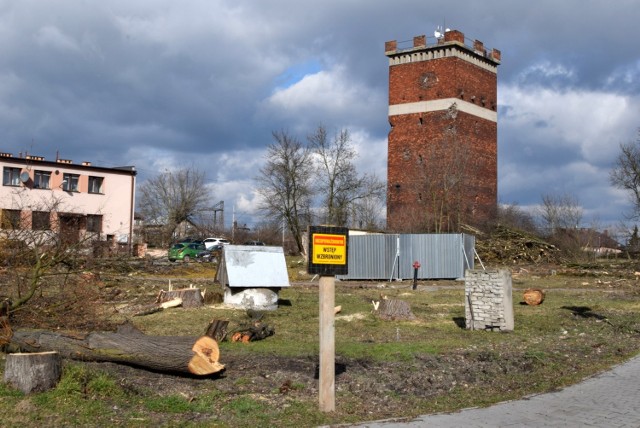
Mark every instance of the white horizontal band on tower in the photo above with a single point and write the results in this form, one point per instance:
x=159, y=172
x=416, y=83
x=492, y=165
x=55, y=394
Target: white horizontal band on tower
x=443, y=104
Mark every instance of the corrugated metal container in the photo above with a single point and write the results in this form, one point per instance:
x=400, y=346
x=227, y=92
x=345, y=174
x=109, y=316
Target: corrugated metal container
x=441, y=256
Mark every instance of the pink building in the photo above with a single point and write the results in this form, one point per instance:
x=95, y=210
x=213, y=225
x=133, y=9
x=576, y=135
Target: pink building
x=76, y=201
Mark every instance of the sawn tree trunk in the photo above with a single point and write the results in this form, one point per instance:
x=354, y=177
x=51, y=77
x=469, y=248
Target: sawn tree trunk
x=181, y=354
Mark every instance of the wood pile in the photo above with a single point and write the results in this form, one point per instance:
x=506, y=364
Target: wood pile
x=254, y=330
x=513, y=246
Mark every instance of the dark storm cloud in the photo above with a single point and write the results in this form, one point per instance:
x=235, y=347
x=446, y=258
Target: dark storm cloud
x=160, y=84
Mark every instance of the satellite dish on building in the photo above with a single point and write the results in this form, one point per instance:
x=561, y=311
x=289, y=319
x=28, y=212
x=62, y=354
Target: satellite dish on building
x=24, y=176
x=438, y=32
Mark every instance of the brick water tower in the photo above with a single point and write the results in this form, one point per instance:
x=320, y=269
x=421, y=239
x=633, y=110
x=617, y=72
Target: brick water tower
x=443, y=146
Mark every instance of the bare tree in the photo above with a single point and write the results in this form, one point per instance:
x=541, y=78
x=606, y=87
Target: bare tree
x=284, y=184
x=512, y=215
x=448, y=168
x=340, y=185
x=626, y=173
x=36, y=249
x=560, y=212
x=173, y=197
x=366, y=212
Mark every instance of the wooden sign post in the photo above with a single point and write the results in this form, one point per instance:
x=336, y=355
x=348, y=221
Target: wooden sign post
x=328, y=257
x=327, y=345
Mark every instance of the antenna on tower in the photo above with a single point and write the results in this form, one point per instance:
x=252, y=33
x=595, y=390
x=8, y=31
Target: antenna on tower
x=441, y=29
x=438, y=33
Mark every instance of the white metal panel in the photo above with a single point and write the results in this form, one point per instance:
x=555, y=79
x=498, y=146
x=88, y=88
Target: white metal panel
x=251, y=266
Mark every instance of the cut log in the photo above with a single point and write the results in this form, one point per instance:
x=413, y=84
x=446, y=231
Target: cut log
x=191, y=297
x=217, y=330
x=394, y=309
x=258, y=331
x=533, y=296
x=173, y=303
x=205, y=360
x=155, y=307
x=33, y=372
x=179, y=354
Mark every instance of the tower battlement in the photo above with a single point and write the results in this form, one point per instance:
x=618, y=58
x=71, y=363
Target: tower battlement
x=451, y=38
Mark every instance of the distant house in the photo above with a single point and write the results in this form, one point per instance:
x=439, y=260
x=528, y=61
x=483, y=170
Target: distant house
x=76, y=201
x=599, y=243
x=593, y=241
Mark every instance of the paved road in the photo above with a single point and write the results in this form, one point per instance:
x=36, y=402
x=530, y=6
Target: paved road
x=611, y=399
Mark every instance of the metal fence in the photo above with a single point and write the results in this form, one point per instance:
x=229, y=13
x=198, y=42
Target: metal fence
x=391, y=257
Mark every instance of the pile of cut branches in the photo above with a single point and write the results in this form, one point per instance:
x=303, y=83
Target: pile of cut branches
x=505, y=245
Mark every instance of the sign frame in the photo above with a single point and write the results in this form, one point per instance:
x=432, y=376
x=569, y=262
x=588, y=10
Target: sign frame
x=328, y=250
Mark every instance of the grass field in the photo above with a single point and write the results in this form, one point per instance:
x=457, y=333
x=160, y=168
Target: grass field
x=587, y=322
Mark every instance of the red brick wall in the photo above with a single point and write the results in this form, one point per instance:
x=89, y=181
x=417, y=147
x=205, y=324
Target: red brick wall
x=446, y=78
x=424, y=147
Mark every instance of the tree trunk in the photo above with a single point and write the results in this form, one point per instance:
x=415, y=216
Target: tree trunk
x=180, y=354
x=33, y=372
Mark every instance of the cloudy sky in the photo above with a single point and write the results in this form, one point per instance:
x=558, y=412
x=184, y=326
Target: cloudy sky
x=162, y=84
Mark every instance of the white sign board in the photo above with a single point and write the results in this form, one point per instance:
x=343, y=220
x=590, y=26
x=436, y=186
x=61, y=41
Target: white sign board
x=253, y=266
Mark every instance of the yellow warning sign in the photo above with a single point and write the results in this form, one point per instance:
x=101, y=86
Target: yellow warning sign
x=329, y=249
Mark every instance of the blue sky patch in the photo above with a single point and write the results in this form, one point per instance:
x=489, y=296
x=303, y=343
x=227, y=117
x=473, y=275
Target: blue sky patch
x=297, y=72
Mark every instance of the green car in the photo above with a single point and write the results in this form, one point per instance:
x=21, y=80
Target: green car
x=187, y=251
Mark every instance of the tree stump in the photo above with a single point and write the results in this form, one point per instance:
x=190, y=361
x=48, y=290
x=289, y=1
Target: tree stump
x=394, y=310
x=191, y=297
x=36, y=372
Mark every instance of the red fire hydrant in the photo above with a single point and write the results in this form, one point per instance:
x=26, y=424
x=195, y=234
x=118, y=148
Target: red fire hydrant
x=416, y=266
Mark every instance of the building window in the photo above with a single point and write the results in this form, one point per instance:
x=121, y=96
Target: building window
x=70, y=182
x=94, y=223
x=11, y=219
x=95, y=184
x=40, y=220
x=42, y=179
x=11, y=176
